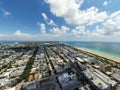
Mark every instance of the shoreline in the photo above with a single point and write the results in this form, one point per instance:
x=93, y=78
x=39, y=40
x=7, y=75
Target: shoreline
x=114, y=58
x=104, y=52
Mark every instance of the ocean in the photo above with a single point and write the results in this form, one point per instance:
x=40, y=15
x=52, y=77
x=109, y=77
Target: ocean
x=110, y=48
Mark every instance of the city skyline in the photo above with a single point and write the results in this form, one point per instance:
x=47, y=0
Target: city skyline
x=63, y=20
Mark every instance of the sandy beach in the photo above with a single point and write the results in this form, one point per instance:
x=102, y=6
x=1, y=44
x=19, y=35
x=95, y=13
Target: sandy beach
x=114, y=58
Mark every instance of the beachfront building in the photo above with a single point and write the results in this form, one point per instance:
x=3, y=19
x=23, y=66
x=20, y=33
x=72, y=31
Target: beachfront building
x=98, y=80
x=116, y=75
x=104, y=68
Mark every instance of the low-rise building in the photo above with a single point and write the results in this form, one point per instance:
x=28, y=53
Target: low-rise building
x=69, y=81
x=98, y=79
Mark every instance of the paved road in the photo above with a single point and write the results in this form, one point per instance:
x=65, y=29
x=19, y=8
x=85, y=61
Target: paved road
x=53, y=76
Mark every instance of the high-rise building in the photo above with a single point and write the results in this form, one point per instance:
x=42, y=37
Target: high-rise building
x=105, y=68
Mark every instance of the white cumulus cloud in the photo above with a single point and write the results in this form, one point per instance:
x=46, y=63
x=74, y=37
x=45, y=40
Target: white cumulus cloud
x=52, y=23
x=110, y=27
x=112, y=24
x=49, y=21
x=3, y=35
x=79, y=31
x=18, y=33
x=105, y=3
x=71, y=12
x=42, y=27
x=44, y=16
x=59, y=31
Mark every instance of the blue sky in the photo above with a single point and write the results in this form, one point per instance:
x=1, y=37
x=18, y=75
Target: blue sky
x=63, y=20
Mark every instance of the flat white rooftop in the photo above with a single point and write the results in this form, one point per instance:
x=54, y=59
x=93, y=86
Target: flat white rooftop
x=79, y=59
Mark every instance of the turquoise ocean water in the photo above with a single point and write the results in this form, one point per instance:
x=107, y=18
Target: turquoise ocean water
x=110, y=48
